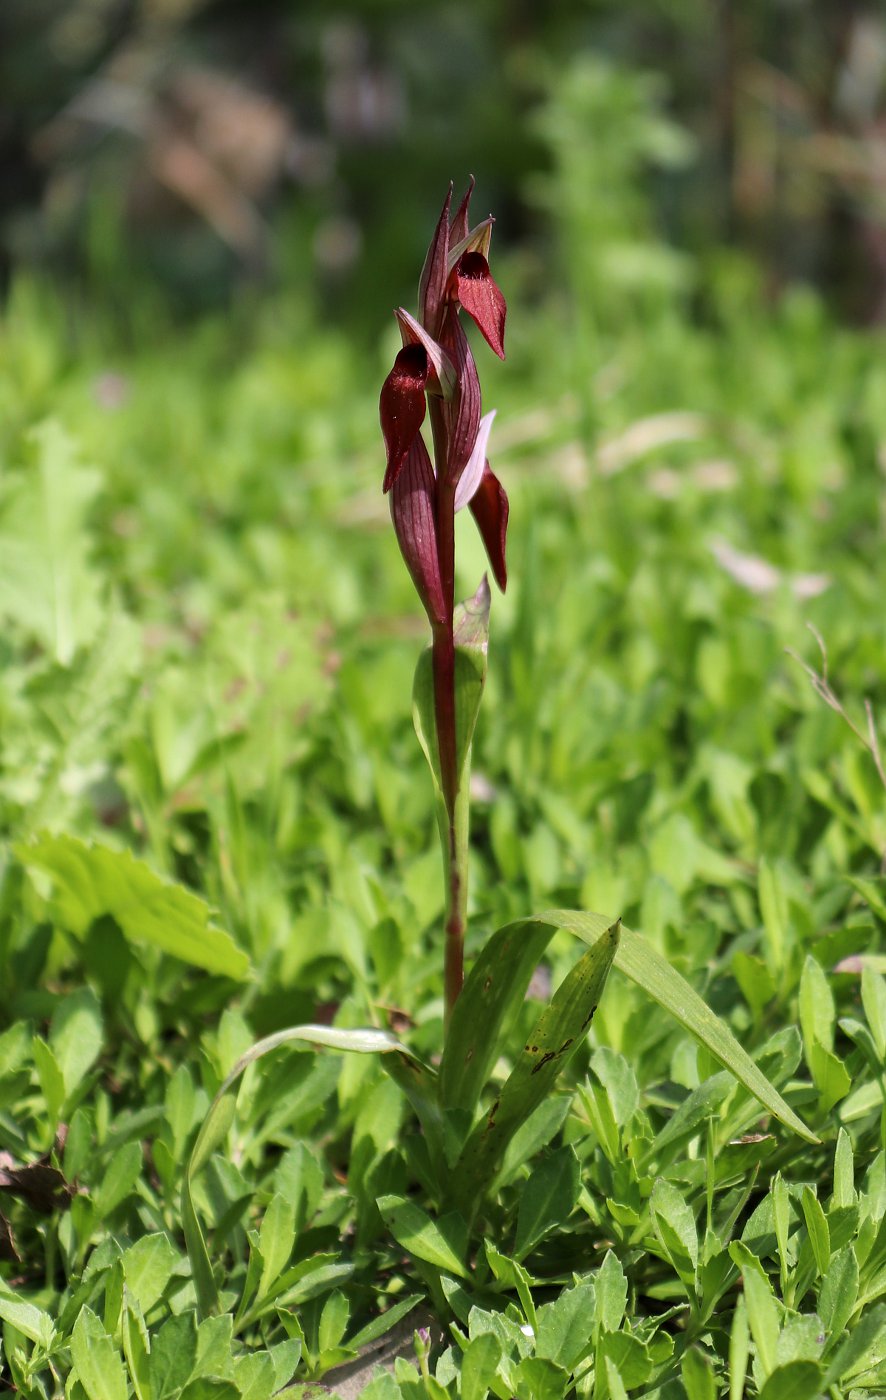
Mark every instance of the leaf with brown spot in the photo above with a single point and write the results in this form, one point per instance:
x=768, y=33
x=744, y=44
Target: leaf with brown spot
x=555, y=1038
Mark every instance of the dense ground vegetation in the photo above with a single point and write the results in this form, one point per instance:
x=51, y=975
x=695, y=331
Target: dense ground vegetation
x=216, y=824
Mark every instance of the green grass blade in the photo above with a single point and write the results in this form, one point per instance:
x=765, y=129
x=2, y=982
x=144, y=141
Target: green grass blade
x=554, y=1039
x=220, y=1115
x=638, y=960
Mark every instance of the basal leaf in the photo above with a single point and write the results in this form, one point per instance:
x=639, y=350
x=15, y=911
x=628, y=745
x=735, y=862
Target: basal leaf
x=556, y=1036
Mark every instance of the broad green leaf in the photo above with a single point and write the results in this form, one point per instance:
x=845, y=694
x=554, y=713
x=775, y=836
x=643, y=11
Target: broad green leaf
x=218, y=1120
x=774, y=908
x=276, y=1239
x=173, y=1355
x=839, y=1291
x=816, y=1003
x=675, y=1227
x=36, y=1324
x=612, y=1293
x=537, y=1379
x=798, y=1380
x=630, y=1355
x=254, y=1375
x=565, y=1326
x=547, y=1199
x=98, y=1362
x=48, y=587
x=513, y=1275
x=211, y=1388
x=148, y=1265
x=763, y=1311
x=333, y=1321
x=91, y=881
x=855, y=1350
x=817, y=1227
x=559, y=1031
x=439, y=1242
x=123, y=1171
x=75, y=1035
x=49, y=1072
x=478, y=1366
x=136, y=1347
x=698, y=1376
x=829, y=1075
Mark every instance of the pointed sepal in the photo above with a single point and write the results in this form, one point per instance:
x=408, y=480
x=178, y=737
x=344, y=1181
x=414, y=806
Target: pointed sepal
x=413, y=513
x=435, y=273
x=489, y=507
x=463, y=410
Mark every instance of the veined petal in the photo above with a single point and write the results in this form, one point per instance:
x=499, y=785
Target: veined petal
x=463, y=410
x=482, y=299
x=413, y=511
x=441, y=371
x=402, y=407
x=434, y=274
x=489, y=507
x=459, y=226
x=469, y=481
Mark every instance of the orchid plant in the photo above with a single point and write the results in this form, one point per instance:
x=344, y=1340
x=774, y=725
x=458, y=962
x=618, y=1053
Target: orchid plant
x=469, y=1118
x=435, y=372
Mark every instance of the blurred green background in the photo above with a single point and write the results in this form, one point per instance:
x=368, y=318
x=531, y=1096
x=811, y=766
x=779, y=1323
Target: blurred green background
x=187, y=152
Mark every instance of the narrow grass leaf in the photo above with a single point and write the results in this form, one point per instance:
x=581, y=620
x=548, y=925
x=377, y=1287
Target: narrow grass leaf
x=220, y=1116
x=639, y=961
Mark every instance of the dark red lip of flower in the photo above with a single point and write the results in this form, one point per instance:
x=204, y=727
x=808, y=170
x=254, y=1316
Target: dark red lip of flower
x=481, y=297
x=402, y=407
